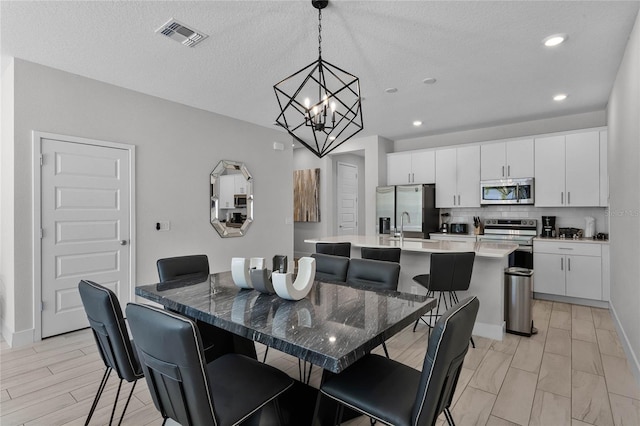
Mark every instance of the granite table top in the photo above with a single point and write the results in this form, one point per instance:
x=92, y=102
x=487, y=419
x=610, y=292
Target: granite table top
x=332, y=327
x=481, y=248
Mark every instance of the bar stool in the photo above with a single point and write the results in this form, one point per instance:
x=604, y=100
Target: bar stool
x=450, y=272
x=335, y=249
x=390, y=254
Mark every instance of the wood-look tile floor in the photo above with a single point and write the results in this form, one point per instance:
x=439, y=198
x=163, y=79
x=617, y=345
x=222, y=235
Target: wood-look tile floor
x=573, y=372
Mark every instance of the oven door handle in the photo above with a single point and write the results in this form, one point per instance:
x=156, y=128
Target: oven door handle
x=526, y=249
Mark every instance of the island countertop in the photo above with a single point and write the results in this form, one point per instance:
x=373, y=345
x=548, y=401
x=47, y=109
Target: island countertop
x=481, y=248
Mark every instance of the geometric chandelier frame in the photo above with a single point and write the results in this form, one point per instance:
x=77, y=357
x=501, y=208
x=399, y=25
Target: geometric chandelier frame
x=320, y=104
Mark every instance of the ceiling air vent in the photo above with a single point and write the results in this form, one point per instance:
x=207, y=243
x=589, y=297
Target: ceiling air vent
x=179, y=32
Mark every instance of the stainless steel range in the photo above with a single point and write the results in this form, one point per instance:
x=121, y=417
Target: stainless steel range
x=518, y=231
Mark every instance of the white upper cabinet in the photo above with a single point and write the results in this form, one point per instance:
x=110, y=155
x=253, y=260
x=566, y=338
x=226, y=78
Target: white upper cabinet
x=604, y=170
x=458, y=177
x=567, y=170
x=505, y=160
x=405, y=168
x=227, y=190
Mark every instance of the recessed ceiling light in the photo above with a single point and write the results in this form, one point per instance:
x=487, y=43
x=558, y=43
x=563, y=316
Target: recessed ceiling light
x=417, y=123
x=560, y=97
x=391, y=90
x=429, y=80
x=554, y=40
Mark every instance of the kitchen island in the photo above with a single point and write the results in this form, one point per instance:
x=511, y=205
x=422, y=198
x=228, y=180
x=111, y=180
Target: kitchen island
x=487, y=280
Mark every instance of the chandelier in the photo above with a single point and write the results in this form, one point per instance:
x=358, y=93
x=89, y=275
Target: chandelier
x=320, y=105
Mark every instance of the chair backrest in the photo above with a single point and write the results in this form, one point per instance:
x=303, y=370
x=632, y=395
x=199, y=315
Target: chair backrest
x=448, y=345
x=335, y=249
x=390, y=254
x=451, y=271
x=330, y=267
x=171, y=268
x=376, y=274
x=109, y=329
x=172, y=357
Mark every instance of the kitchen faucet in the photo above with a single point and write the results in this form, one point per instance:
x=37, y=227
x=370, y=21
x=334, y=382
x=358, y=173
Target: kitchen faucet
x=402, y=225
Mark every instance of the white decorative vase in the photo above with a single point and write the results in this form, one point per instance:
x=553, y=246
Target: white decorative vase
x=286, y=288
x=240, y=272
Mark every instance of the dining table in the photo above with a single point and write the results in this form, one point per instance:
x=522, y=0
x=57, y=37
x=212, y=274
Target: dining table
x=332, y=327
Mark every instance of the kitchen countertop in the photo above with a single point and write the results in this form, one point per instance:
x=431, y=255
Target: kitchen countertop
x=482, y=249
x=571, y=240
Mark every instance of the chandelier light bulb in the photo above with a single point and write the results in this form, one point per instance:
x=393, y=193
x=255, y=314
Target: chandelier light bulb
x=307, y=102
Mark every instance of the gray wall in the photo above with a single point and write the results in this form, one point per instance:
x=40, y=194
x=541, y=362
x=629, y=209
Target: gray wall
x=176, y=149
x=624, y=181
x=374, y=171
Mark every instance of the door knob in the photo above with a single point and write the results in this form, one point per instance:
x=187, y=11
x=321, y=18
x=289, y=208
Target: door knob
x=123, y=242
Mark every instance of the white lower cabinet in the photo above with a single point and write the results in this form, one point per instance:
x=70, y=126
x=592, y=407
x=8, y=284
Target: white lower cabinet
x=568, y=269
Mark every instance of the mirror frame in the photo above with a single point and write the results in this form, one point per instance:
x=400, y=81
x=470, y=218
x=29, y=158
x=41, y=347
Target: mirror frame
x=223, y=230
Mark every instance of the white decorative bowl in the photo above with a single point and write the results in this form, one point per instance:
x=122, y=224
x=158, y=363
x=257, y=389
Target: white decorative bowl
x=286, y=288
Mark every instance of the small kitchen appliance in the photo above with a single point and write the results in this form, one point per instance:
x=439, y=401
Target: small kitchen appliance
x=507, y=191
x=573, y=233
x=444, y=227
x=589, y=227
x=384, y=226
x=458, y=228
x=548, y=226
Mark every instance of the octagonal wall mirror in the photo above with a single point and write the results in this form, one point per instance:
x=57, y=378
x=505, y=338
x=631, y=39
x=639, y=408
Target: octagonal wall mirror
x=231, y=199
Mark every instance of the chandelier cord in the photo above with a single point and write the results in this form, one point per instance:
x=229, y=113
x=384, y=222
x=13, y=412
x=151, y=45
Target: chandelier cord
x=319, y=33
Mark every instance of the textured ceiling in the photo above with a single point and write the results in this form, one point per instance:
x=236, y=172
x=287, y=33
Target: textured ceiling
x=487, y=57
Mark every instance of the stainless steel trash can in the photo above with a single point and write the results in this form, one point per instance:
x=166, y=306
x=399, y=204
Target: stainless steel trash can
x=518, y=293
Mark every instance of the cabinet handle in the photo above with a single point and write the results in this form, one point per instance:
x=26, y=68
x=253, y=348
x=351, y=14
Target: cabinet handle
x=562, y=198
x=413, y=178
x=458, y=199
x=568, y=263
x=568, y=197
x=409, y=177
x=454, y=199
x=562, y=263
x=508, y=170
x=502, y=171
x=565, y=248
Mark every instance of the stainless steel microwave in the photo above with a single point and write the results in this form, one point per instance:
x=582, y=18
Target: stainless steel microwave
x=506, y=191
x=240, y=200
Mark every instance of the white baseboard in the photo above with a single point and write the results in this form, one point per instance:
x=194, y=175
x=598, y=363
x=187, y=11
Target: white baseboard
x=632, y=357
x=18, y=339
x=490, y=331
x=573, y=300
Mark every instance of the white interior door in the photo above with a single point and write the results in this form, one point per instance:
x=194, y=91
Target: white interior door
x=85, y=217
x=347, y=199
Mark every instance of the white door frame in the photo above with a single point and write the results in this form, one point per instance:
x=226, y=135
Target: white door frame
x=37, y=138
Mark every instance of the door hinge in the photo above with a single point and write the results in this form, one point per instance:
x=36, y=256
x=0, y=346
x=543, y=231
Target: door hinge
x=41, y=160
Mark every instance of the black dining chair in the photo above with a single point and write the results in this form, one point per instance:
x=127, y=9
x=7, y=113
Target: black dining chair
x=389, y=254
x=331, y=268
x=396, y=394
x=449, y=272
x=187, y=389
x=375, y=275
x=335, y=249
x=171, y=268
x=217, y=342
x=112, y=338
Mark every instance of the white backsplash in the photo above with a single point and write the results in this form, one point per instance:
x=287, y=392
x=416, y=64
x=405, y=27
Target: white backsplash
x=565, y=216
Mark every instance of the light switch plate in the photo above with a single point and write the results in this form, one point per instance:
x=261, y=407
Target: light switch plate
x=165, y=225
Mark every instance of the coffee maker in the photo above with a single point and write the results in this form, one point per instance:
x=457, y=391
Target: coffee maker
x=548, y=226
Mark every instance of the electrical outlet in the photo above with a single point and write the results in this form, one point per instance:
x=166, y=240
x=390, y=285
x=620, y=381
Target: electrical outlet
x=163, y=225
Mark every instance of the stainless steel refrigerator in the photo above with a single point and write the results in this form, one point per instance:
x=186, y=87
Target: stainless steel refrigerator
x=417, y=200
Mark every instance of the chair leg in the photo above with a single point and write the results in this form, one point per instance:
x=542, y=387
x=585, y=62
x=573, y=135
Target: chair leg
x=415, y=325
x=164, y=422
x=449, y=417
x=103, y=382
x=339, y=412
x=127, y=403
x=115, y=402
x=266, y=351
x=386, y=352
x=276, y=405
x=473, y=344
